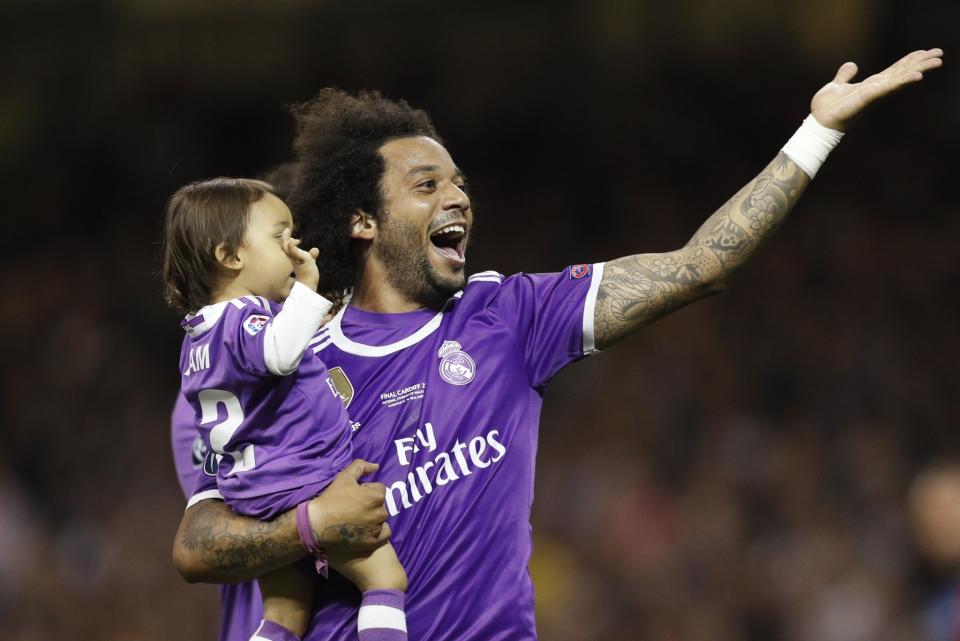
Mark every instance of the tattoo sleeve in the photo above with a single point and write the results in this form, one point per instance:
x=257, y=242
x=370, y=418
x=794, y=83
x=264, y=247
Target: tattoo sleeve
x=637, y=290
x=216, y=545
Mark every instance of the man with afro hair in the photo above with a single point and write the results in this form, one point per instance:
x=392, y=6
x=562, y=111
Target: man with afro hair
x=443, y=375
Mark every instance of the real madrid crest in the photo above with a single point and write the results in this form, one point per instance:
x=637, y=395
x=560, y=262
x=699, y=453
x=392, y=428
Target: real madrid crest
x=456, y=366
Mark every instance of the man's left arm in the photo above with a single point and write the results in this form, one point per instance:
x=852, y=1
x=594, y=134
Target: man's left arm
x=637, y=290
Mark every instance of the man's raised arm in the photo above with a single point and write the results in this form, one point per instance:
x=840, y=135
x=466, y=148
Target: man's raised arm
x=637, y=290
x=216, y=545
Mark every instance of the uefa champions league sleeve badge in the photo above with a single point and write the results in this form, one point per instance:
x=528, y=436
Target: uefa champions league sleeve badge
x=456, y=366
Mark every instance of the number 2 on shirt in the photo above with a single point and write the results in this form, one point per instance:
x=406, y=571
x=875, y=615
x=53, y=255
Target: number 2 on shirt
x=222, y=432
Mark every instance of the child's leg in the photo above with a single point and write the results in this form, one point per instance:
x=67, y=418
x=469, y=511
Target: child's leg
x=287, y=605
x=383, y=582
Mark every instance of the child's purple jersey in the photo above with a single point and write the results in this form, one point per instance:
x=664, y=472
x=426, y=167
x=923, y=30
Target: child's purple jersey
x=448, y=404
x=269, y=436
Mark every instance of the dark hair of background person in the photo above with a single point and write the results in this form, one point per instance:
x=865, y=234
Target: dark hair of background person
x=199, y=217
x=338, y=137
x=283, y=179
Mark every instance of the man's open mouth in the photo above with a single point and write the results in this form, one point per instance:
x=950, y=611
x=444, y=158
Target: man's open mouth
x=448, y=241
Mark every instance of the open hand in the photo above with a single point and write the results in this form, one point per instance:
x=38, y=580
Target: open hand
x=304, y=262
x=840, y=101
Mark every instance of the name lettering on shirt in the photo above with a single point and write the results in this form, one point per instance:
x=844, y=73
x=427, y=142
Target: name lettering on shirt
x=199, y=359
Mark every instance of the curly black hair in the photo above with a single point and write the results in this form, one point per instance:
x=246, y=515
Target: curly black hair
x=338, y=137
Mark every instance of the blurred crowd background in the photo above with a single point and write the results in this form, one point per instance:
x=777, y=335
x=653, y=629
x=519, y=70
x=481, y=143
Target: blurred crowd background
x=740, y=471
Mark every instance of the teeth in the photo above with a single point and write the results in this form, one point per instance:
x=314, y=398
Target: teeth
x=451, y=229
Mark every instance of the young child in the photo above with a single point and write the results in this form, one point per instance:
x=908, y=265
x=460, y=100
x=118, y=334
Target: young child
x=267, y=409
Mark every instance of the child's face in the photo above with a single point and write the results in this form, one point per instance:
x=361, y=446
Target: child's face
x=267, y=270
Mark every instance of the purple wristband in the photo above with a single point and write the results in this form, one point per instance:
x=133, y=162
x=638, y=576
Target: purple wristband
x=309, y=539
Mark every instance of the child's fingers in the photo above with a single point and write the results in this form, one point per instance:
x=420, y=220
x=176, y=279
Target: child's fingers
x=299, y=255
x=314, y=253
x=285, y=240
x=290, y=246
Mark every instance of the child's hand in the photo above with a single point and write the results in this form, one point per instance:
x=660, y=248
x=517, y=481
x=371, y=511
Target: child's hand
x=304, y=262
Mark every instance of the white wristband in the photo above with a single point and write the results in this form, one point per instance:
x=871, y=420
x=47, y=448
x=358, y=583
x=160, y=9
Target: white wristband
x=811, y=144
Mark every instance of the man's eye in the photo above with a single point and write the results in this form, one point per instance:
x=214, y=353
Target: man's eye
x=428, y=184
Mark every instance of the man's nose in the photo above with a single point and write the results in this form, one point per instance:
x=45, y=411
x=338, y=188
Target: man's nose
x=456, y=198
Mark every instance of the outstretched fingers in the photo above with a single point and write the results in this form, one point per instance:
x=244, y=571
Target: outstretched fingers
x=846, y=72
x=916, y=63
x=842, y=99
x=922, y=55
x=928, y=63
x=907, y=70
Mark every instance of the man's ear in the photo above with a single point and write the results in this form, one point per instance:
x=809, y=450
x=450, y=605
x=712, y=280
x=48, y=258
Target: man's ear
x=363, y=226
x=227, y=259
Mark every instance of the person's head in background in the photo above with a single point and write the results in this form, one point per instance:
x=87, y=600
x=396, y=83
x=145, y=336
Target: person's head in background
x=935, y=513
x=283, y=178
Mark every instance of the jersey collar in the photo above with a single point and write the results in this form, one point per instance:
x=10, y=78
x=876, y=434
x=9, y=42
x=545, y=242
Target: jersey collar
x=429, y=325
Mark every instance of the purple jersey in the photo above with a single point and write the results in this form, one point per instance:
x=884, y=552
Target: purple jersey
x=274, y=440
x=448, y=404
x=241, y=606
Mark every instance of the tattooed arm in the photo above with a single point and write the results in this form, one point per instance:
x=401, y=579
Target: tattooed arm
x=216, y=545
x=638, y=290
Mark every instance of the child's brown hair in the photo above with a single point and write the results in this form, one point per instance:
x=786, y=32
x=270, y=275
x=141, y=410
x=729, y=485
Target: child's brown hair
x=200, y=216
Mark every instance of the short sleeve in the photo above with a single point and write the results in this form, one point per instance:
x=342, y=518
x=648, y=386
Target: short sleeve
x=553, y=317
x=270, y=340
x=244, y=336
